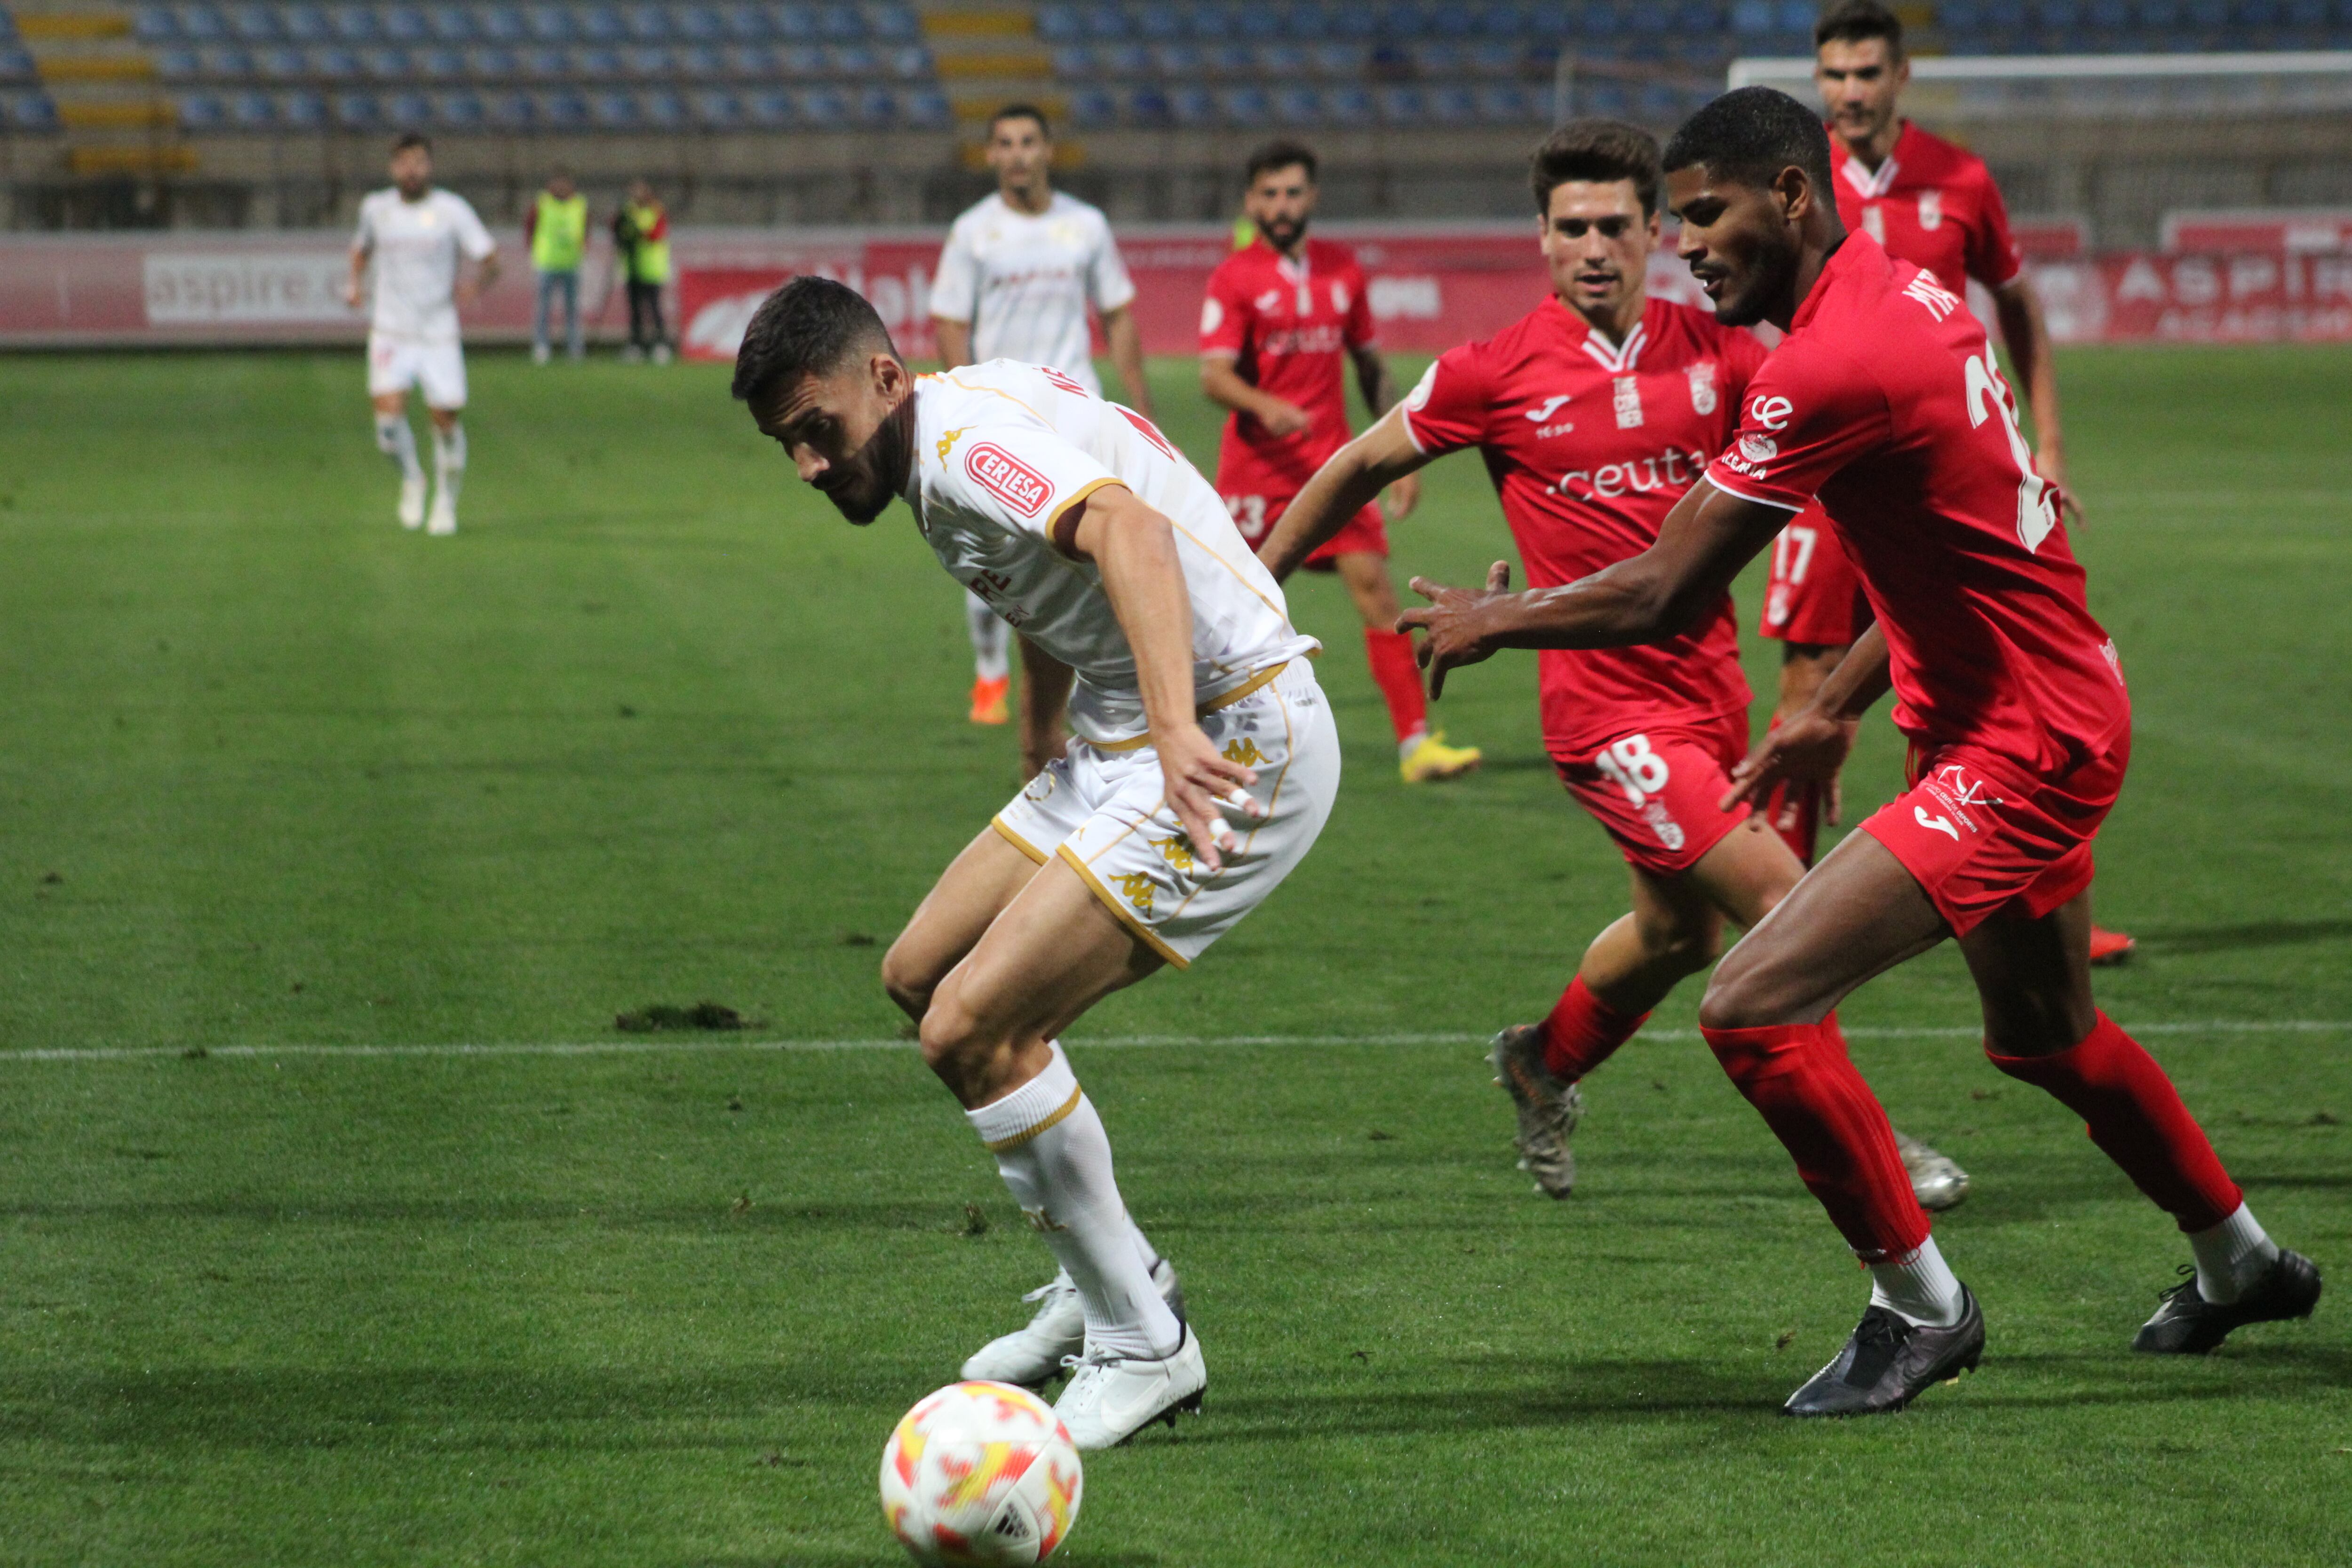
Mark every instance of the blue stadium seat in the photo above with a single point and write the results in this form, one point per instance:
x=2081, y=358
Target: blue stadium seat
x=840, y=23
x=1244, y=106
x=33, y=110
x=564, y=108
x=926, y=107
x=909, y=62
x=1402, y=105
x=1207, y=24
x=1282, y=62
x=408, y=110
x=437, y=62
x=201, y=111
x=645, y=24
x=1754, y=19
x=1437, y=59
x=16, y=64
x=302, y=109
x=773, y=108
x=1350, y=105
x=1505, y=104
x=199, y=24
x=1452, y=106
x=1190, y=105
x=1501, y=21
x=854, y=60
x=149, y=25
x=254, y=24
x=873, y=109
x=1496, y=57
x=1123, y=58
x=332, y=62
x=303, y=24
x=550, y=24
x=1072, y=62
x=716, y=108
x=698, y=62
x=663, y=109
x=513, y=110
x=794, y=23
x=701, y=24
x=1700, y=19
x=1093, y=108
x=173, y=63
x=644, y=61
x=1297, y=106
x=451, y=25
x=543, y=62
x=250, y=111
x=404, y=24
x=355, y=111
x=1103, y=22
x=1176, y=59
x=489, y=63
x=1341, y=61
x=385, y=64
x=749, y=60
x=1156, y=23
x=225, y=62
x=459, y=110
x=893, y=23
x=801, y=61
x=827, y=107
x=595, y=63
x=504, y=24
x=1060, y=24
x=744, y=25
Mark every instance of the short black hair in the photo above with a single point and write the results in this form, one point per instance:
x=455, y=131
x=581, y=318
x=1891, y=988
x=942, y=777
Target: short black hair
x=1748, y=135
x=408, y=139
x=1281, y=154
x=1604, y=150
x=1851, y=21
x=1021, y=112
x=810, y=326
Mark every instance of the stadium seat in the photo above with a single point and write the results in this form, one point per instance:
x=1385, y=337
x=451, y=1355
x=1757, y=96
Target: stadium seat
x=201, y=111
x=874, y=108
x=503, y=24
x=542, y=63
x=1126, y=58
x=253, y=24
x=661, y=109
x=33, y=111
x=199, y=24
x=355, y=111
x=715, y=109
x=252, y=111
x=408, y=110
x=1072, y=62
x=926, y=107
x=698, y=62
x=610, y=108
x=1191, y=106
x=1402, y=105
x=701, y=24
x=827, y=108
x=1279, y=62
x=16, y=64
x=857, y=61
x=1341, y=61
x=1495, y=58
x=1228, y=59
x=1102, y=24
x=564, y=108
x=491, y=62
x=513, y=110
x=793, y=22
x=1297, y=106
x=450, y=24
x=1504, y=104
x=550, y=24
x=150, y=25
x=1245, y=107
x=1350, y=105
x=404, y=24
x=437, y=62
x=801, y=61
x=224, y=62
x=840, y=23
x=385, y=64
x=894, y=22
x=1060, y=25
x=302, y=109
x=1093, y=108
x=647, y=61
x=459, y=110
x=352, y=24
x=742, y=61
x=173, y=63
x=772, y=109
x=1452, y=106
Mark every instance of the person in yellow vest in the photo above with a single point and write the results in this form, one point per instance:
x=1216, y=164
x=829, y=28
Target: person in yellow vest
x=557, y=227
x=641, y=233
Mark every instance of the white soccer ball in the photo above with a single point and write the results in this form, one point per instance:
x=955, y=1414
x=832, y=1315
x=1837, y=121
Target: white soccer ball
x=981, y=1473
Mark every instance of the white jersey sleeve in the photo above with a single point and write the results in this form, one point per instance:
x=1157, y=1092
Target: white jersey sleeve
x=363, y=237
x=955, y=286
x=1108, y=284
x=473, y=239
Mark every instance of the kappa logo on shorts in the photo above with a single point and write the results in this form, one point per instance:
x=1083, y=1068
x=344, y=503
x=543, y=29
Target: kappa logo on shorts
x=1175, y=851
x=1244, y=751
x=1137, y=887
x=1007, y=477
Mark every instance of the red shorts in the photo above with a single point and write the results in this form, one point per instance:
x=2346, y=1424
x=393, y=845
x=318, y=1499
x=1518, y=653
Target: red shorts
x=1655, y=790
x=1984, y=838
x=1814, y=595
x=1366, y=533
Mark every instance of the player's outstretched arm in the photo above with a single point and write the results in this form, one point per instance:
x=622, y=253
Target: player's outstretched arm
x=1134, y=548
x=1125, y=338
x=954, y=339
x=1701, y=547
x=1223, y=385
x=1356, y=475
x=1810, y=744
x=486, y=272
x=1381, y=395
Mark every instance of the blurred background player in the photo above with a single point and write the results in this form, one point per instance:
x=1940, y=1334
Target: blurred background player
x=415, y=236
x=641, y=241
x=1595, y=413
x=555, y=227
x=1204, y=767
x=1283, y=316
x=1936, y=205
x=1014, y=282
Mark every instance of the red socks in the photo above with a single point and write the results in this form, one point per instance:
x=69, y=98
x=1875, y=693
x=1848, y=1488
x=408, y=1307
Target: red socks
x=1398, y=678
x=1798, y=1076
x=1582, y=1031
x=2135, y=1118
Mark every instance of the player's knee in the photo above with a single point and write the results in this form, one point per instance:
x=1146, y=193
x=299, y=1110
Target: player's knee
x=950, y=1034
x=1742, y=996
x=908, y=981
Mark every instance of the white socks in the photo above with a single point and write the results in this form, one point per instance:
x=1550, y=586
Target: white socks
x=2231, y=1256
x=395, y=440
x=1920, y=1288
x=992, y=639
x=1055, y=1157
x=449, y=461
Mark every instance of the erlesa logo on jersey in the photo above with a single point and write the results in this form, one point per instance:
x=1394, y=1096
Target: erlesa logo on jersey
x=1007, y=477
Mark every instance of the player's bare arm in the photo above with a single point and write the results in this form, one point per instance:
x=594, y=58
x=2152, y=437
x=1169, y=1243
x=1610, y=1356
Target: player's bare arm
x=358, y=279
x=1810, y=744
x=954, y=340
x=1381, y=395
x=1223, y=386
x=1134, y=548
x=1357, y=473
x=1126, y=341
x=478, y=283
x=1704, y=541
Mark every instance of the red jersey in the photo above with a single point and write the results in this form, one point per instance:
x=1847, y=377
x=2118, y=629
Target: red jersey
x=1935, y=205
x=1288, y=327
x=1885, y=400
x=1590, y=445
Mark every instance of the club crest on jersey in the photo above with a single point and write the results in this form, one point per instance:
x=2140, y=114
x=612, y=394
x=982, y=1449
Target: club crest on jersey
x=1339, y=298
x=1007, y=477
x=1702, y=387
x=1931, y=209
x=1759, y=448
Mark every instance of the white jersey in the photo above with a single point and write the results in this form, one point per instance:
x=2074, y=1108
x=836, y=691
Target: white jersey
x=1024, y=281
x=415, y=245
x=1001, y=450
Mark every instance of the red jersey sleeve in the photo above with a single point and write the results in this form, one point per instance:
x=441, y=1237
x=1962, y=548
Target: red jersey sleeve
x=1743, y=355
x=1447, y=410
x=1992, y=257
x=1359, y=330
x=1808, y=413
x=1225, y=316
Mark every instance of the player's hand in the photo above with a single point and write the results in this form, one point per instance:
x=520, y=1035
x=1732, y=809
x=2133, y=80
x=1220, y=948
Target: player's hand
x=1402, y=496
x=1207, y=791
x=1452, y=622
x=466, y=293
x=1809, y=746
x=1284, y=418
x=351, y=292
x=2050, y=464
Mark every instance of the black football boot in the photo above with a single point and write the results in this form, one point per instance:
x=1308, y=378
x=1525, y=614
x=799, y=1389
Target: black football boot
x=2188, y=1324
x=1888, y=1361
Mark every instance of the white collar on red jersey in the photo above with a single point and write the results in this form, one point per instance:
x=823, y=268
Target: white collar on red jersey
x=1867, y=181
x=1620, y=358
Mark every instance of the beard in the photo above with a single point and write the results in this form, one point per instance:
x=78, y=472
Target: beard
x=872, y=479
x=1283, y=232
x=1770, y=278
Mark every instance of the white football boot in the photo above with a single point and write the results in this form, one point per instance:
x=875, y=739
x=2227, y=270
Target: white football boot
x=1936, y=1179
x=1548, y=1108
x=444, y=520
x=412, y=502
x=1032, y=1356
x=1112, y=1397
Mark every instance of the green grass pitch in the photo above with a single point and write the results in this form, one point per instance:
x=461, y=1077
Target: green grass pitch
x=657, y=727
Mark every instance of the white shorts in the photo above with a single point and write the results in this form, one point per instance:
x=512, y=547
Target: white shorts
x=1105, y=813
x=395, y=364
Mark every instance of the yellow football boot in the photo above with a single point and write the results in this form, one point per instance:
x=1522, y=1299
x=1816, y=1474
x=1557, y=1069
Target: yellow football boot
x=1434, y=759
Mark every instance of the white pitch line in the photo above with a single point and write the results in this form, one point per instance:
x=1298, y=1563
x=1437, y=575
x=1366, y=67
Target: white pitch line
x=1107, y=1042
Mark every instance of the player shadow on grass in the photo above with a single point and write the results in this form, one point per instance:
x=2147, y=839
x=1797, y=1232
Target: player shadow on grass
x=2159, y=941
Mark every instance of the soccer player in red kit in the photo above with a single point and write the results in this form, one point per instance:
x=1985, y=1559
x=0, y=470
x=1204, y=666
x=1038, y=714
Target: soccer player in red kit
x=1283, y=317
x=1595, y=413
x=1886, y=402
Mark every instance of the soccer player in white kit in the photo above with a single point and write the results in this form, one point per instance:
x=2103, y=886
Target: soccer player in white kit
x=1014, y=282
x=1203, y=767
x=416, y=234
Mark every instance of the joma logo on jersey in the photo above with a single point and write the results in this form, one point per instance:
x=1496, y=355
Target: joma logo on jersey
x=1007, y=477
